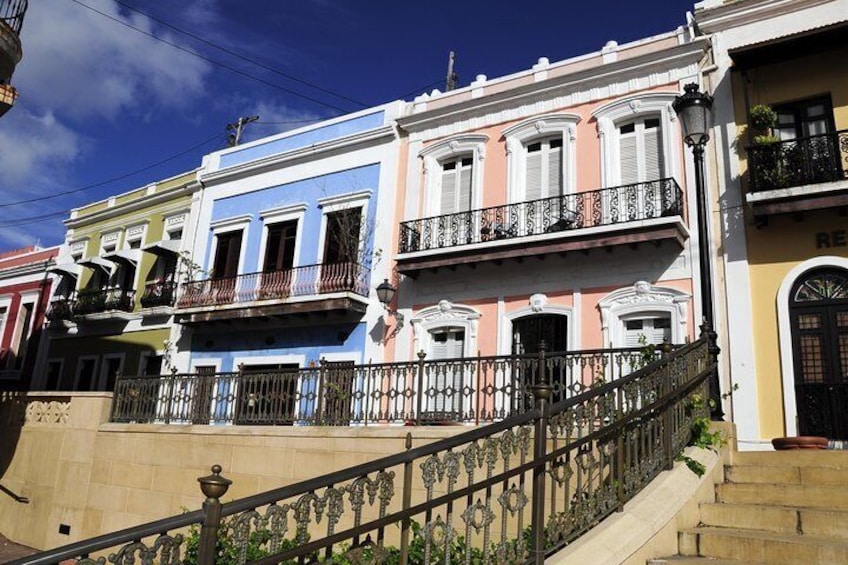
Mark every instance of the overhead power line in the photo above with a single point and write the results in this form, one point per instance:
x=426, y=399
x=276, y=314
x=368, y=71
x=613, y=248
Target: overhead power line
x=212, y=61
x=238, y=55
x=217, y=136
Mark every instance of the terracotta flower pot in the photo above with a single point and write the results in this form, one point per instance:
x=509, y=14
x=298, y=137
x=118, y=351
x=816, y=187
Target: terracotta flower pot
x=799, y=442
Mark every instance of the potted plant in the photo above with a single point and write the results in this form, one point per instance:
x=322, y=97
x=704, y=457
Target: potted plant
x=765, y=156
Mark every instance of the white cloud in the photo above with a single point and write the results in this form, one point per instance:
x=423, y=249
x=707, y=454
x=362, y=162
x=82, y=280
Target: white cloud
x=32, y=142
x=82, y=64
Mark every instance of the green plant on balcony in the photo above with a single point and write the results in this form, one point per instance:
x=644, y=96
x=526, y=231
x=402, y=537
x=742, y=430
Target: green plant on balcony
x=766, y=156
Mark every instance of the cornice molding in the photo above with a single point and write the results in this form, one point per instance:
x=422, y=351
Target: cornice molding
x=312, y=152
x=744, y=12
x=134, y=206
x=609, y=80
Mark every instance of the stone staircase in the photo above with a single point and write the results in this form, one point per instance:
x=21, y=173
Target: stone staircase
x=781, y=507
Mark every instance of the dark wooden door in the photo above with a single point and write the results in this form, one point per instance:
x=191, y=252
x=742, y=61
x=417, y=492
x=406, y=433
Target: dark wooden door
x=819, y=319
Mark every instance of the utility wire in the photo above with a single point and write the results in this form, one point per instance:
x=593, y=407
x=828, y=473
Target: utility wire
x=114, y=179
x=239, y=55
x=423, y=88
x=211, y=61
x=33, y=219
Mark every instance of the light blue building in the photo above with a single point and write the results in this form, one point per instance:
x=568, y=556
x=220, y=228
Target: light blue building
x=289, y=242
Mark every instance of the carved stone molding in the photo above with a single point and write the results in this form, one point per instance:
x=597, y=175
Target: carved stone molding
x=48, y=412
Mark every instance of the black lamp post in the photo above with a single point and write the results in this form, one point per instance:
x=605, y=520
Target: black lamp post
x=693, y=108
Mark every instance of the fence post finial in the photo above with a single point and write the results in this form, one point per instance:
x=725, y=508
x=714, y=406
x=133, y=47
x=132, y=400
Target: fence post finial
x=213, y=487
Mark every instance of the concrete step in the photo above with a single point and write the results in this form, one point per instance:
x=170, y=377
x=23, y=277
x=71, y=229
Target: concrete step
x=778, y=519
x=801, y=496
x=793, y=458
x=751, y=546
x=786, y=474
x=683, y=560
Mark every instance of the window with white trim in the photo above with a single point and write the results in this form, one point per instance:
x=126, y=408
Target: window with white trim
x=453, y=174
x=456, y=185
x=639, y=140
x=648, y=328
x=641, y=156
x=541, y=157
x=544, y=168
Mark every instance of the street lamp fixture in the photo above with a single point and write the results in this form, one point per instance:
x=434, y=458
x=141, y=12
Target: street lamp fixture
x=386, y=294
x=693, y=107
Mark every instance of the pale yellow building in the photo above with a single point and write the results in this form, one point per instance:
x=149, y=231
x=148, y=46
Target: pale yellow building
x=781, y=109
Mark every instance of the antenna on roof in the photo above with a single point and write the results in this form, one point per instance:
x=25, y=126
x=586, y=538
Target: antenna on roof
x=235, y=130
x=451, y=78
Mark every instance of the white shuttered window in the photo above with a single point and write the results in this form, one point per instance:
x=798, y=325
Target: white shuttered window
x=655, y=330
x=456, y=185
x=544, y=169
x=641, y=151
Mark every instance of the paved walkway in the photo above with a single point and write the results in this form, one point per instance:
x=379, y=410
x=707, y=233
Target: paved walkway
x=10, y=551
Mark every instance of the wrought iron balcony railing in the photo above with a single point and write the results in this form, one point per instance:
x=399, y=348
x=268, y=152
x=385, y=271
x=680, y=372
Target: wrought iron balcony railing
x=467, y=390
x=603, y=207
x=798, y=162
x=161, y=293
x=515, y=491
x=96, y=302
x=276, y=285
x=12, y=13
x=61, y=310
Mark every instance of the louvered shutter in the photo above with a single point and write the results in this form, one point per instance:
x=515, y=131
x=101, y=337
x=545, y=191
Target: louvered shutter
x=464, y=187
x=554, y=171
x=633, y=331
x=629, y=158
x=533, y=188
x=448, y=191
x=654, y=165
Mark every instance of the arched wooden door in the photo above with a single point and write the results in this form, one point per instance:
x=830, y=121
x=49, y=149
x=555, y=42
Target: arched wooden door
x=818, y=310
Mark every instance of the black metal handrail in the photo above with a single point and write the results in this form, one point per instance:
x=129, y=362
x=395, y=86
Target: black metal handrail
x=463, y=390
x=12, y=13
x=108, y=299
x=510, y=492
x=159, y=293
x=797, y=162
x=308, y=280
x=604, y=207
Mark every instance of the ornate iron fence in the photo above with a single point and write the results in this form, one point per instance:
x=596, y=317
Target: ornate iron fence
x=94, y=302
x=161, y=293
x=464, y=390
x=510, y=492
x=276, y=285
x=12, y=13
x=797, y=162
x=608, y=206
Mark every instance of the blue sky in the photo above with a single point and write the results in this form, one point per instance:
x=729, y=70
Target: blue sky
x=101, y=100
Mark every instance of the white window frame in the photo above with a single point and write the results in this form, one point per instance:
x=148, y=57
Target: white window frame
x=110, y=240
x=337, y=203
x=101, y=374
x=95, y=372
x=618, y=112
x=643, y=300
x=145, y=355
x=43, y=383
x=540, y=128
x=643, y=315
x=172, y=223
x=278, y=215
x=229, y=225
x=442, y=316
x=5, y=302
x=455, y=147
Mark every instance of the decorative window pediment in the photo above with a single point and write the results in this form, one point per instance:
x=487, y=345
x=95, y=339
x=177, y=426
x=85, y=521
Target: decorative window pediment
x=643, y=297
x=649, y=149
